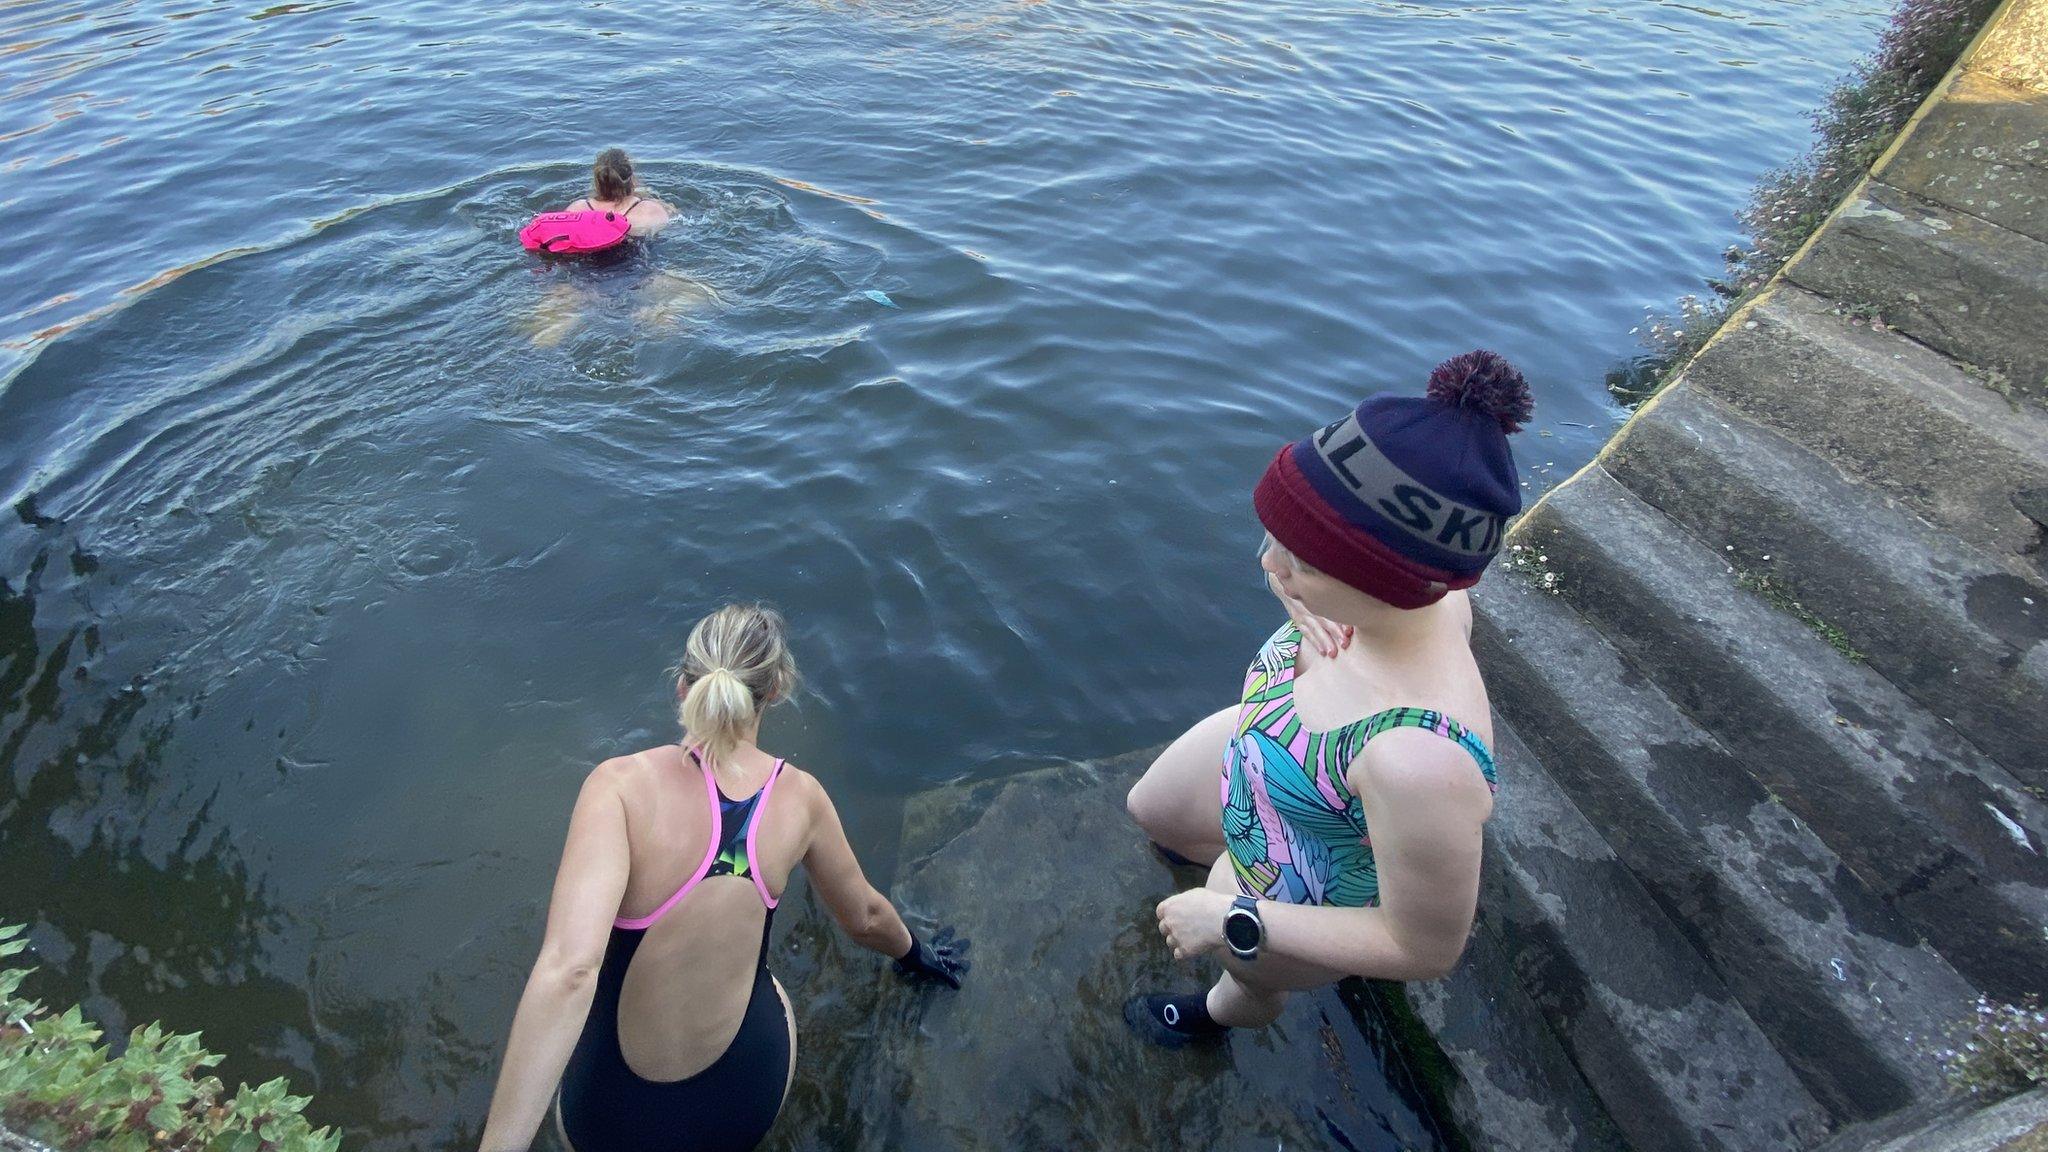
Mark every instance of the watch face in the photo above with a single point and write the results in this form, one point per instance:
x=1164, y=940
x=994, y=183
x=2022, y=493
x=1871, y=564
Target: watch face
x=1241, y=929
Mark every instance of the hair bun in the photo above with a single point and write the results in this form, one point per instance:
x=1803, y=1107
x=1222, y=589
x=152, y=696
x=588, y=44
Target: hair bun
x=1487, y=382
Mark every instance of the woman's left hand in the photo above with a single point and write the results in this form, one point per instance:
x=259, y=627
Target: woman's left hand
x=942, y=958
x=1192, y=922
x=1325, y=636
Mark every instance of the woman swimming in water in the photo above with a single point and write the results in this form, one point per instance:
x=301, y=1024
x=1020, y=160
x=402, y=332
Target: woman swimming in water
x=614, y=189
x=651, y=1005
x=1366, y=710
x=662, y=297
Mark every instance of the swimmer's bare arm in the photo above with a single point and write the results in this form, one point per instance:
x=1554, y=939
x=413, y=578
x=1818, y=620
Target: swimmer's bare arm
x=1426, y=805
x=588, y=888
x=865, y=913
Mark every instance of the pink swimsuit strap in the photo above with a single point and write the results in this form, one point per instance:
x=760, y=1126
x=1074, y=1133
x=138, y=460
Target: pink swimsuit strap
x=754, y=830
x=713, y=798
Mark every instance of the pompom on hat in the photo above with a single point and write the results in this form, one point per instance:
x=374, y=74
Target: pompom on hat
x=1405, y=498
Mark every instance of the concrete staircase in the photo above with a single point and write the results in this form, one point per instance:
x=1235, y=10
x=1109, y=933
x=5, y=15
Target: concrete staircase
x=1772, y=673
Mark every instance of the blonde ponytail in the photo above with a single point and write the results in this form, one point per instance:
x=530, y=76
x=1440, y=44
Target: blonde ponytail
x=716, y=712
x=736, y=663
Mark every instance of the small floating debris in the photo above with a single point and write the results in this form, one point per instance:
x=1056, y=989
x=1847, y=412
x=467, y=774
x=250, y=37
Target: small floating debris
x=879, y=297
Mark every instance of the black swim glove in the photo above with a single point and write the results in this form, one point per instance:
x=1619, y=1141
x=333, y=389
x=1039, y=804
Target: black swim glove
x=942, y=958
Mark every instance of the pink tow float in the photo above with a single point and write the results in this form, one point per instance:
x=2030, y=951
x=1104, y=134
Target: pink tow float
x=574, y=233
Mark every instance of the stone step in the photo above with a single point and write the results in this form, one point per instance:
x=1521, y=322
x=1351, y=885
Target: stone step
x=1948, y=625
x=1965, y=287
x=1891, y=414
x=2011, y=48
x=1982, y=150
x=1513, y=1085
x=1926, y=821
x=2016, y=1124
x=1840, y=984
x=1675, y=1060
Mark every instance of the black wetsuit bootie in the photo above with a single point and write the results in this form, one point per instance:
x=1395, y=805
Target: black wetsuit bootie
x=1174, y=1021
x=1172, y=858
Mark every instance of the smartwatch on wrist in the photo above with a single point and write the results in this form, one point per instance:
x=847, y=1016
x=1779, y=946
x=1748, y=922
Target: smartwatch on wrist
x=1242, y=928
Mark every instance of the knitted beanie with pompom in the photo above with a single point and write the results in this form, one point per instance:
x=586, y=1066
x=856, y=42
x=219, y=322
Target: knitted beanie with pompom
x=1405, y=497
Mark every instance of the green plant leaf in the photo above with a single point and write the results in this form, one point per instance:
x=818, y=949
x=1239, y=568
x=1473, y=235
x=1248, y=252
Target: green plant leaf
x=82, y=1097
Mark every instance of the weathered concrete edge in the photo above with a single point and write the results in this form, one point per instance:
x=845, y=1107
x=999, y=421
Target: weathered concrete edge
x=1986, y=1129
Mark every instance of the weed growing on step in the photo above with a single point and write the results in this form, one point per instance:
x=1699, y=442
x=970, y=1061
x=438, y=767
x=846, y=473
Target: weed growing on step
x=1531, y=562
x=1780, y=597
x=1862, y=115
x=2001, y=1049
x=1860, y=314
x=1993, y=379
x=60, y=1085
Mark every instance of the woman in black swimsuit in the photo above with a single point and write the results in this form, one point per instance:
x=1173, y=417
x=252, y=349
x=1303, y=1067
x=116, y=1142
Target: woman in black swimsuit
x=651, y=1005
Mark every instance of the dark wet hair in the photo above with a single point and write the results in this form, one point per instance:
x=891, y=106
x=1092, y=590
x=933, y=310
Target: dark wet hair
x=611, y=178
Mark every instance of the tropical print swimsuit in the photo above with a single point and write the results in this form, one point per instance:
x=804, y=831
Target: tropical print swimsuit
x=1295, y=831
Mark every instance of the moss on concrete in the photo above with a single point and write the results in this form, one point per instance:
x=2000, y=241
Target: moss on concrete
x=1780, y=597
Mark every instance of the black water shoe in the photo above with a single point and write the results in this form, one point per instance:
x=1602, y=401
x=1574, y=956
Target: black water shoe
x=1174, y=1021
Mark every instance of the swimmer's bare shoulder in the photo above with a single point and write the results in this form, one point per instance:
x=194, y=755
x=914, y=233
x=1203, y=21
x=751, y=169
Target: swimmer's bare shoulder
x=649, y=215
x=629, y=774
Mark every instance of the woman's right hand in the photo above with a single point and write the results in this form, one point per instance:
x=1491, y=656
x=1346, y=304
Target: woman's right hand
x=1326, y=636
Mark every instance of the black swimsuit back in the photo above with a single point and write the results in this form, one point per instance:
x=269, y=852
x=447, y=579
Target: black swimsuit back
x=727, y=1107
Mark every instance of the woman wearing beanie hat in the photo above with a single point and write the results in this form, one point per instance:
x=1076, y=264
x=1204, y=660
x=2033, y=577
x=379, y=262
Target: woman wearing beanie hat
x=1365, y=710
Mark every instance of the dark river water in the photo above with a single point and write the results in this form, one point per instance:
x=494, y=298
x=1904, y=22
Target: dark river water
x=345, y=537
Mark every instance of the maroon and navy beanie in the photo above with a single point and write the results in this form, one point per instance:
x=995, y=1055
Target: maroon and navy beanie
x=1405, y=498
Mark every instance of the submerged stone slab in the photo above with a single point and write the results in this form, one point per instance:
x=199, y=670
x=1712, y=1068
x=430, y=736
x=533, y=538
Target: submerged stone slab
x=1892, y=414
x=1912, y=808
x=1056, y=887
x=1981, y=148
x=1951, y=627
x=1838, y=981
x=1968, y=288
x=835, y=988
